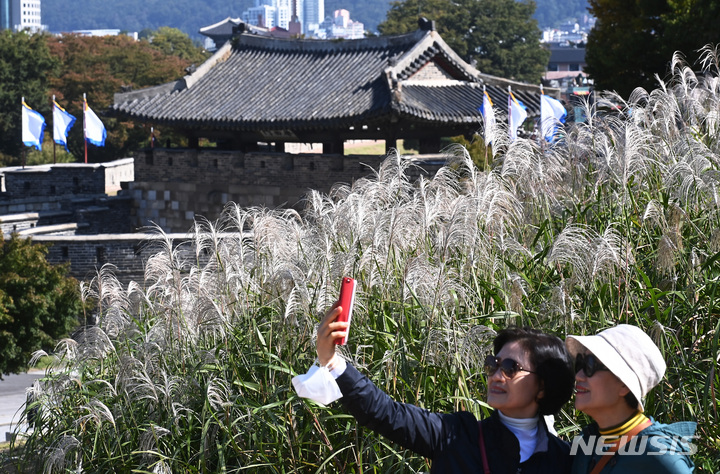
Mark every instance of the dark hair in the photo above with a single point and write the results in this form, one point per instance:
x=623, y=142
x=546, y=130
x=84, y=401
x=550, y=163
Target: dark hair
x=551, y=362
x=631, y=400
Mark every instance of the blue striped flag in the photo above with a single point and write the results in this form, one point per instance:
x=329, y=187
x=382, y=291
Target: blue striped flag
x=517, y=114
x=552, y=114
x=33, y=126
x=94, y=129
x=62, y=123
x=486, y=109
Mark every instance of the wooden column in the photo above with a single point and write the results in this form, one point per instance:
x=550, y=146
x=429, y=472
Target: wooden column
x=335, y=147
x=429, y=145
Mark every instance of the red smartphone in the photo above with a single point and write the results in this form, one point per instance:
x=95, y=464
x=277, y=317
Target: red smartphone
x=347, y=300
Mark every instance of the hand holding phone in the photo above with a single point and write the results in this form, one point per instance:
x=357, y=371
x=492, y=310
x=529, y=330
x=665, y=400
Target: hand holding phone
x=347, y=300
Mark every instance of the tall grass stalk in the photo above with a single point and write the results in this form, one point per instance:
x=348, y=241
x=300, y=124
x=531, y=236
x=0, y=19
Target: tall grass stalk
x=189, y=370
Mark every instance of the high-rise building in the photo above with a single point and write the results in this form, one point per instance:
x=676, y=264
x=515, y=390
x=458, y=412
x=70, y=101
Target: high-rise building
x=283, y=13
x=261, y=15
x=20, y=15
x=297, y=16
x=314, y=14
x=269, y=14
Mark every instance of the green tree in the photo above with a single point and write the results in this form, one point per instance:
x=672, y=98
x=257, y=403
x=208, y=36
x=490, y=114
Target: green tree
x=633, y=40
x=173, y=42
x=101, y=67
x=26, y=65
x=499, y=37
x=39, y=303
x=625, y=49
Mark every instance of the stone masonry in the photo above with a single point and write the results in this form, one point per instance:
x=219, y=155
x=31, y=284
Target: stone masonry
x=86, y=228
x=174, y=186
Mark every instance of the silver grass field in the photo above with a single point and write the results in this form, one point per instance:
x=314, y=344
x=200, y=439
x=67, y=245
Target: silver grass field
x=189, y=370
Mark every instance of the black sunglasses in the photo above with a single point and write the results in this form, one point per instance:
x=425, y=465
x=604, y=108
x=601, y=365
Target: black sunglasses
x=589, y=364
x=509, y=367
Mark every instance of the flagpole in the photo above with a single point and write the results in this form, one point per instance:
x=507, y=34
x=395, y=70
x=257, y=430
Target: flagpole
x=541, y=134
x=22, y=104
x=52, y=107
x=510, y=124
x=485, y=135
x=85, y=126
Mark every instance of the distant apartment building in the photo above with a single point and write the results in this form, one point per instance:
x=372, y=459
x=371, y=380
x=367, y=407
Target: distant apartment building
x=566, y=65
x=106, y=32
x=18, y=15
x=261, y=15
x=269, y=14
x=283, y=13
x=313, y=14
x=341, y=26
x=297, y=16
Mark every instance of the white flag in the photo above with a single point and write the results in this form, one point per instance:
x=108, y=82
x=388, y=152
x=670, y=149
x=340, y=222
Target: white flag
x=552, y=113
x=62, y=123
x=488, y=118
x=94, y=129
x=516, y=115
x=33, y=126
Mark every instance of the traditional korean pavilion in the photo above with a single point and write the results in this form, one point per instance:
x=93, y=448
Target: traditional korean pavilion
x=262, y=89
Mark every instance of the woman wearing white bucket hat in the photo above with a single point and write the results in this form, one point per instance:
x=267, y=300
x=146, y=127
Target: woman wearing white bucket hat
x=615, y=370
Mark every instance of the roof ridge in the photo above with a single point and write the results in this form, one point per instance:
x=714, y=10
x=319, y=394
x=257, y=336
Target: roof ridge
x=313, y=45
x=219, y=23
x=185, y=83
x=406, y=64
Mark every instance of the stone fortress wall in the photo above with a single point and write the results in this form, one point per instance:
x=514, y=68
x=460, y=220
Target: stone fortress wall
x=172, y=186
x=127, y=253
x=93, y=214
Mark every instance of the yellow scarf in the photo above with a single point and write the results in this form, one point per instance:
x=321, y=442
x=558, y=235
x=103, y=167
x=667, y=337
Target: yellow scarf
x=614, y=433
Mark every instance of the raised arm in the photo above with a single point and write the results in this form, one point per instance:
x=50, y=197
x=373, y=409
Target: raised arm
x=328, y=332
x=415, y=428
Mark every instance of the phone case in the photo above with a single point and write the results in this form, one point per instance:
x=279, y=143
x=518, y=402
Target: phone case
x=347, y=300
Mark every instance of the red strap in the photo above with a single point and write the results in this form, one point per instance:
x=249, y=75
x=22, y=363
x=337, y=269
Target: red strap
x=625, y=439
x=483, y=454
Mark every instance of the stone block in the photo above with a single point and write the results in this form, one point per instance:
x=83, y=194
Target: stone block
x=186, y=187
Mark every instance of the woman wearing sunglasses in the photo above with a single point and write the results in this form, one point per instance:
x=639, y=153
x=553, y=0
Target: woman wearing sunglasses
x=615, y=369
x=529, y=375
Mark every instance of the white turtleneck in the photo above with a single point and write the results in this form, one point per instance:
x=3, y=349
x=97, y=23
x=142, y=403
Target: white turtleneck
x=525, y=430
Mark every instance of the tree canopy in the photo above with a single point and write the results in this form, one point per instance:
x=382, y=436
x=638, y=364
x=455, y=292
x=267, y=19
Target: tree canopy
x=173, y=42
x=39, y=303
x=26, y=66
x=67, y=66
x=498, y=37
x=634, y=40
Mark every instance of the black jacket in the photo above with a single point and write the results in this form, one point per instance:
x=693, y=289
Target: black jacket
x=449, y=440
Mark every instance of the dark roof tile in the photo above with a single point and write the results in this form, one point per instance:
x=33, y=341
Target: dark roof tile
x=261, y=83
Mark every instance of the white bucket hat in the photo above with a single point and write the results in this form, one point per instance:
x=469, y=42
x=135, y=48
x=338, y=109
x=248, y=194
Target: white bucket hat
x=629, y=353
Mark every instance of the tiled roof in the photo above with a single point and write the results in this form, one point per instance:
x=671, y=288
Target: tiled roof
x=259, y=83
x=564, y=55
x=458, y=102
